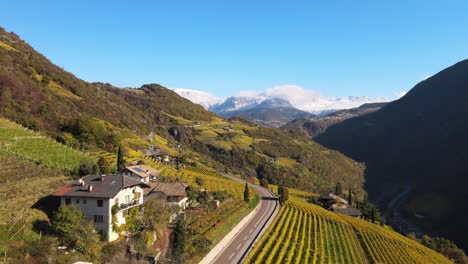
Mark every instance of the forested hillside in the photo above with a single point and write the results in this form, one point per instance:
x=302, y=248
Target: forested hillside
x=417, y=142
x=313, y=127
x=100, y=117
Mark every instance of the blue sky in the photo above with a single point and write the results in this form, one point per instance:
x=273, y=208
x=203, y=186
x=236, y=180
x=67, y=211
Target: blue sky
x=337, y=48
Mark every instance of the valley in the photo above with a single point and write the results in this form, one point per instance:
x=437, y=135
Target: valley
x=111, y=166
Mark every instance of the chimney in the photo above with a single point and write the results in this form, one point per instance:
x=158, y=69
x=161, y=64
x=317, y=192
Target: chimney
x=90, y=188
x=81, y=182
x=102, y=177
x=147, y=172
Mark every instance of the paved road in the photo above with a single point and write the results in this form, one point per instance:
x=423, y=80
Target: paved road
x=395, y=218
x=236, y=250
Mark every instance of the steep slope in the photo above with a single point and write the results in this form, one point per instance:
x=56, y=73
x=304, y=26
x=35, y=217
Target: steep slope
x=313, y=127
x=417, y=142
x=97, y=116
x=307, y=233
x=36, y=93
x=271, y=112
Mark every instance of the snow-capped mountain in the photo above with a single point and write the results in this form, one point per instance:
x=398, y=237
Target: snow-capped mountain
x=272, y=112
x=285, y=103
x=235, y=103
x=199, y=97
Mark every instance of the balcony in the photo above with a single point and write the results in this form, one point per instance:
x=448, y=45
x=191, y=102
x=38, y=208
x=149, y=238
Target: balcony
x=124, y=206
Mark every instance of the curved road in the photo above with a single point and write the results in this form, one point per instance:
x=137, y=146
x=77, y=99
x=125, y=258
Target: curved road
x=241, y=244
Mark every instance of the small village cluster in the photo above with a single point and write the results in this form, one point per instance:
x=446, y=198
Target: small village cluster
x=96, y=195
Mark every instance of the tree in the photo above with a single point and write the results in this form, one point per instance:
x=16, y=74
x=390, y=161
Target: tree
x=350, y=197
x=181, y=242
x=203, y=197
x=246, y=193
x=373, y=215
x=132, y=220
x=87, y=167
x=155, y=214
x=88, y=242
x=264, y=183
x=338, y=189
x=104, y=166
x=200, y=181
x=285, y=195
x=67, y=220
x=428, y=242
x=120, y=159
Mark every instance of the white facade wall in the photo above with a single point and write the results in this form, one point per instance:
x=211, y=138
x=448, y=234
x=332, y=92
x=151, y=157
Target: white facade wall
x=90, y=209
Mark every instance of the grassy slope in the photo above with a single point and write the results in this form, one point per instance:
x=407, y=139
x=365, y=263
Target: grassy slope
x=307, y=233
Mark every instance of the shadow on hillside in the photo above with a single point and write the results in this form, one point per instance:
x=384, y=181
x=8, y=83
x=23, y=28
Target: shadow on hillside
x=43, y=227
x=47, y=204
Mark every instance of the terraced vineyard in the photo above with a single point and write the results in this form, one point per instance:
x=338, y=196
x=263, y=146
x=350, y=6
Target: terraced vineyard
x=306, y=233
x=24, y=144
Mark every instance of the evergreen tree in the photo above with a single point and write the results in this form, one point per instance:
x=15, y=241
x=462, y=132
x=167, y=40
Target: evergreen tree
x=350, y=197
x=264, y=183
x=104, y=166
x=246, y=193
x=373, y=215
x=338, y=189
x=181, y=242
x=285, y=192
x=120, y=159
x=280, y=193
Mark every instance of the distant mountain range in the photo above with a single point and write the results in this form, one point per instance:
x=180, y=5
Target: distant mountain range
x=276, y=107
x=271, y=112
x=313, y=127
x=415, y=148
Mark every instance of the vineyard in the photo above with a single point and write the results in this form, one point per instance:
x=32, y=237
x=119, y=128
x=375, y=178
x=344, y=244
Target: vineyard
x=23, y=183
x=211, y=224
x=24, y=144
x=307, y=233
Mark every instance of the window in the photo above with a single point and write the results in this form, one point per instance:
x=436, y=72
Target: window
x=84, y=201
x=100, y=203
x=67, y=201
x=98, y=219
x=128, y=199
x=77, y=201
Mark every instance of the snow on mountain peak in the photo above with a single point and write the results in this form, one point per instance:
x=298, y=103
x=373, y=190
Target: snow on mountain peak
x=297, y=96
x=199, y=97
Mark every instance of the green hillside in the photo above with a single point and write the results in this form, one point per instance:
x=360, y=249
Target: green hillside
x=99, y=117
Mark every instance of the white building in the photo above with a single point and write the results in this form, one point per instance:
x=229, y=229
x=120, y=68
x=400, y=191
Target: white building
x=96, y=195
x=140, y=172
